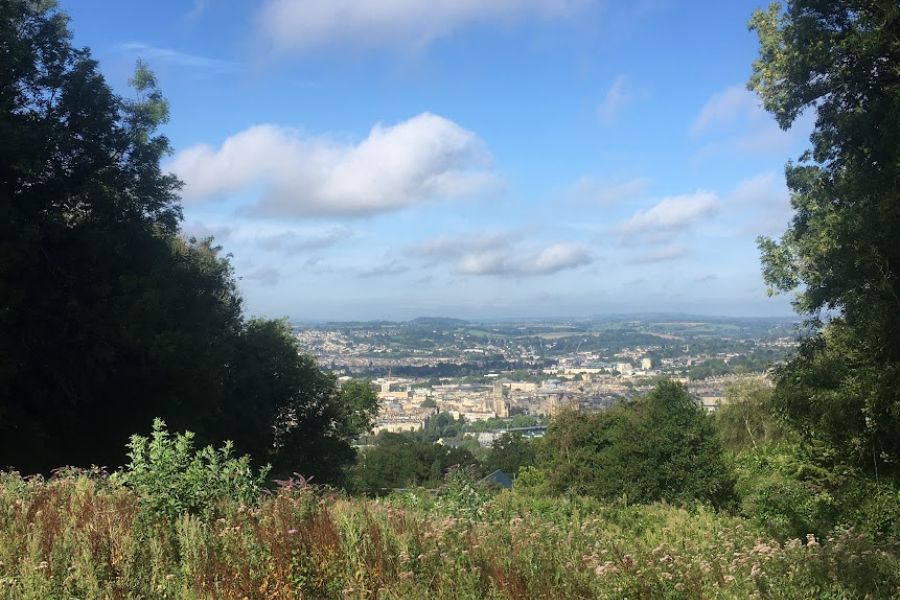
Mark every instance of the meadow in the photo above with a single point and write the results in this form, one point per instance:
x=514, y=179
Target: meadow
x=87, y=535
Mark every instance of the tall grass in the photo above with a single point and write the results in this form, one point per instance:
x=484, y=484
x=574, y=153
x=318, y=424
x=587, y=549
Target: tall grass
x=84, y=536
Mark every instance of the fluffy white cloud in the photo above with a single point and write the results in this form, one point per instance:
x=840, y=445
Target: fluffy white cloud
x=557, y=258
x=671, y=214
x=727, y=107
x=298, y=25
x=422, y=159
x=502, y=254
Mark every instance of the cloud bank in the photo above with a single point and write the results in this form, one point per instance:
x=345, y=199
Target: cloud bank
x=502, y=254
x=422, y=159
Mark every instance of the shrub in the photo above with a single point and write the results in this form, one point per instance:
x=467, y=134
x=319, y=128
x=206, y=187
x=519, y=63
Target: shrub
x=660, y=447
x=173, y=478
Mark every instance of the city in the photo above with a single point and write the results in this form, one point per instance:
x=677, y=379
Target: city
x=491, y=371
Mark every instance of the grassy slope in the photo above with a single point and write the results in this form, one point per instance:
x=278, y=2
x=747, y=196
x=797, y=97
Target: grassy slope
x=77, y=537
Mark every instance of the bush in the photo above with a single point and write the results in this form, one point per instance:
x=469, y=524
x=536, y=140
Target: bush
x=173, y=478
x=790, y=491
x=660, y=447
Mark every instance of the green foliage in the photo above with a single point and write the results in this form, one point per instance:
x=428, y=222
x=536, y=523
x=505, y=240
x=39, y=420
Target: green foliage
x=660, y=447
x=460, y=495
x=531, y=481
x=839, y=60
x=441, y=425
x=359, y=402
x=105, y=304
x=790, y=491
x=510, y=453
x=172, y=477
x=74, y=536
x=745, y=420
x=398, y=461
x=513, y=422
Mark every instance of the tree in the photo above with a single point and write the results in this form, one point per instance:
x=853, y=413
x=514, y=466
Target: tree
x=510, y=453
x=399, y=461
x=104, y=306
x=745, y=420
x=659, y=447
x=840, y=61
x=108, y=316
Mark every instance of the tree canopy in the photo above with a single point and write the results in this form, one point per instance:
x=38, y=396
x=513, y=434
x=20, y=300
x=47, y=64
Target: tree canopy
x=841, y=62
x=109, y=317
x=659, y=447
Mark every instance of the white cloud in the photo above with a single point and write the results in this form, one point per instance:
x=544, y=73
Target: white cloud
x=422, y=159
x=178, y=58
x=502, y=254
x=726, y=108
x=671, y=214
x=298, y=25
x=557, y=258
x=615, y=99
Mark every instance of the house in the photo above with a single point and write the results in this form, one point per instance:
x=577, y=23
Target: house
x=497, y=479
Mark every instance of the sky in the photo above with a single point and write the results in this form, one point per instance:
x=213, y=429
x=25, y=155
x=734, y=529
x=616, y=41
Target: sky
x=389, y=159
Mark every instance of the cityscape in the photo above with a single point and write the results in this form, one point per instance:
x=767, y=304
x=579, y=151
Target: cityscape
x=491, y=371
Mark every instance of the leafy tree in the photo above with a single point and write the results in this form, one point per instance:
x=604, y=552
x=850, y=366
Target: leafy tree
x=511, y=452
x=839, y=60
x=659, y=447
x=745, y=420
x=108, y=317
x=104, y=306
x=399, y=461
x=441, y=425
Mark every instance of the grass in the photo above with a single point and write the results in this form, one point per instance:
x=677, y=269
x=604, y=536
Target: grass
x=84, y=536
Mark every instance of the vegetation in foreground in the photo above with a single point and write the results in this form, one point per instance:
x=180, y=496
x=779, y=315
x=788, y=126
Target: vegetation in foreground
x=81, y=535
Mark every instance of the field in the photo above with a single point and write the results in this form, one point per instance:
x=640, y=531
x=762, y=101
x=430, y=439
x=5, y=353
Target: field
x=85, y=536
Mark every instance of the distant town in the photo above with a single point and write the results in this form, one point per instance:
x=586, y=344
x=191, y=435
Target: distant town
x=496, y=376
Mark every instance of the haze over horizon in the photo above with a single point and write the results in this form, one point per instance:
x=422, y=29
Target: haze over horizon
x=529, y=159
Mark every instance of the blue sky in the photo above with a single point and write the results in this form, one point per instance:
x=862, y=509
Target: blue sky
x=368, y=159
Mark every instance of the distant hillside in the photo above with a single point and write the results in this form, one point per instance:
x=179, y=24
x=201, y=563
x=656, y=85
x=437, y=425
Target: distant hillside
x=441, y=322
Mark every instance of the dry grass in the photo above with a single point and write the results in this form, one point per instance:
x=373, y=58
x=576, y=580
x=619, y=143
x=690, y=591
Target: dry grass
x=77, y=536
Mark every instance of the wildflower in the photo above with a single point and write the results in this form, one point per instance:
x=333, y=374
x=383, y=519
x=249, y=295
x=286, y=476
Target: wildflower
x=44, y=564
x=755, y=571
x=170, y=577
x=292, y=531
